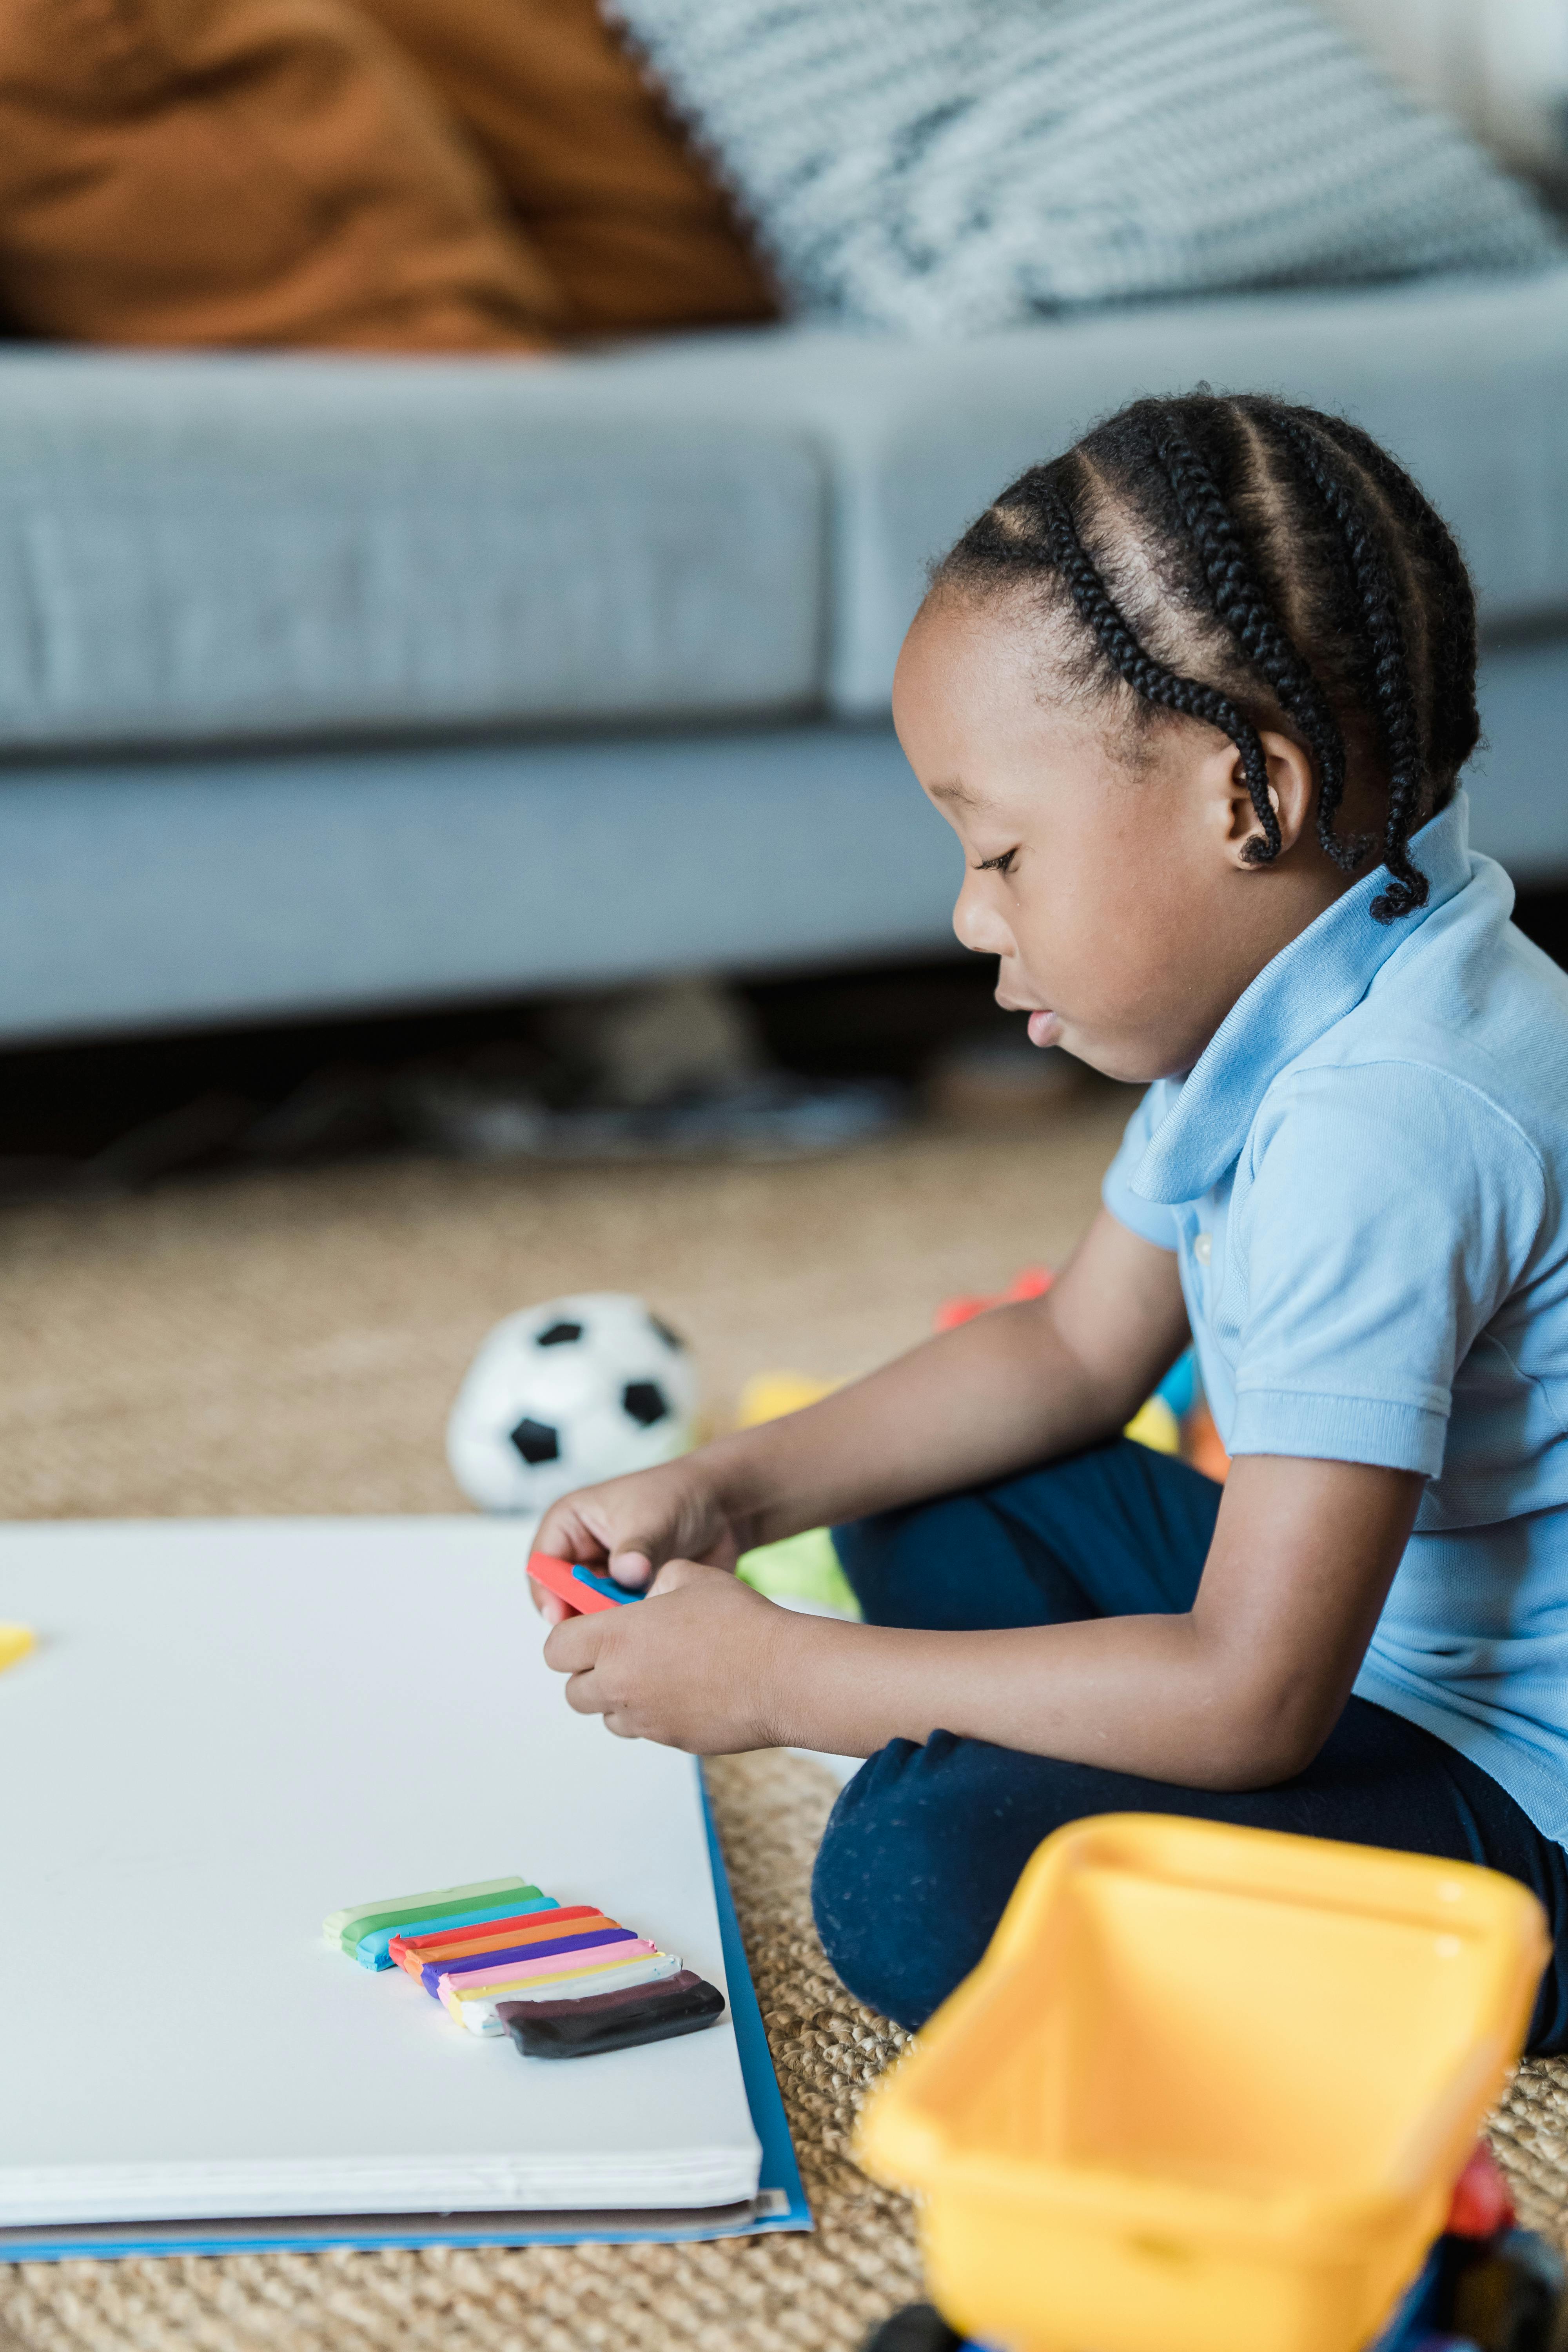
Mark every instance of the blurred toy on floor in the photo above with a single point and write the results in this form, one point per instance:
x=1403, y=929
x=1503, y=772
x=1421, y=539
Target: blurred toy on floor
x=1175, y=1420
x=804, y=1569
x=675, y=1070
x=1118, y=2139
x=1032, y=1282
x=565, y=1393
x=1501, y=2291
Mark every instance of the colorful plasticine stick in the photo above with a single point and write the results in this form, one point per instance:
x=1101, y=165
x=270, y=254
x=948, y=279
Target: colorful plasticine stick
x=593, y=1979
x=589, y=1953
x=477, y=1986
x=411, y=1952
x=582, y=1588
x=476, y=2011
x=374, y=1951
x=346, y=1928
x=425, y=1966
x=15, y=1640
x=606, y=1587
x=622, y=2019
x=429, y=1969
x=542, y=1920
x=484, y=1964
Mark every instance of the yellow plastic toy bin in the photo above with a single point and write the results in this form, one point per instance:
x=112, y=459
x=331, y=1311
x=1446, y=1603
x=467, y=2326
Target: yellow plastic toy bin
x=1208, y=2091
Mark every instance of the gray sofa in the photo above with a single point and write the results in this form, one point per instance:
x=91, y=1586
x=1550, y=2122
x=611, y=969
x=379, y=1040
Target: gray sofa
x=330, y=684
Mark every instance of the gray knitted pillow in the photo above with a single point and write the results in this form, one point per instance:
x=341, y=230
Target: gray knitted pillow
x=940, y=166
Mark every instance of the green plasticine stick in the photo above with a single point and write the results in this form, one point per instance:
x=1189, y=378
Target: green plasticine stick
x=343, y=1929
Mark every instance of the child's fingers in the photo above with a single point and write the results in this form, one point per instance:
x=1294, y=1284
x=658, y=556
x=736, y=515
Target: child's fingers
x=550, y=1605
x=574, y=1642
x=585, y=1695
x=563, y=1532
x=678, y=1572
x=632, y=1567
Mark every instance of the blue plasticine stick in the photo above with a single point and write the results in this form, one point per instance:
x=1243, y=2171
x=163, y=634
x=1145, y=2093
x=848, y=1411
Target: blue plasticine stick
x=605, y=1585
x=374, y=1951
x=430, y=1975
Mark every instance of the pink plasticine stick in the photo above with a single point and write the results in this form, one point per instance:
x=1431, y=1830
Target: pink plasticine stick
x=555, y=1964
x=561, y=1964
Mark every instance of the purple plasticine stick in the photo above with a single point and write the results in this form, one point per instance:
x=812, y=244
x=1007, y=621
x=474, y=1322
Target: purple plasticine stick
x=434, y=1971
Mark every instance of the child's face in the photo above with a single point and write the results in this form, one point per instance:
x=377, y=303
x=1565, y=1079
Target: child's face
x=1113, y=887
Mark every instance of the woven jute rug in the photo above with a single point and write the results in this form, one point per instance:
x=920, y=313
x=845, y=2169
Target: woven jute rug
x=292, y=1345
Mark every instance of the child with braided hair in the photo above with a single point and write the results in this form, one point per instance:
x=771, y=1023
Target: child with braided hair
x=1195, y=697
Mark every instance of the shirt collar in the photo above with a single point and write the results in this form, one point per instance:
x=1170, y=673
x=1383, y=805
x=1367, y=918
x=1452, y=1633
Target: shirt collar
x=1308, y=986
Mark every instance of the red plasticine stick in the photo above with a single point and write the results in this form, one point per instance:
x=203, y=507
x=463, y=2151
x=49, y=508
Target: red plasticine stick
x=556, y=1577
x=533, y=1931
x=413, y=1953
x=506, y=1930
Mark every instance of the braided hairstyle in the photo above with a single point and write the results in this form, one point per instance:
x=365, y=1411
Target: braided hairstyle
x=1254, y=564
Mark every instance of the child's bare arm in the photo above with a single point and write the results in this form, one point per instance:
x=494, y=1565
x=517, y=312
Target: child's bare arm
x=1238, y=1691
x=1015, y=1387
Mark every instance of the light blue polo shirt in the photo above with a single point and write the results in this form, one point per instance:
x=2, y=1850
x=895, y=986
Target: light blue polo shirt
x=1365, y=1179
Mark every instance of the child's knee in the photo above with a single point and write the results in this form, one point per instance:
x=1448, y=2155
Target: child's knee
x=877, y=1891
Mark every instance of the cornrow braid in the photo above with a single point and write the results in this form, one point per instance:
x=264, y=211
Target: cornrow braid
x=1394, y=711
x=1241, y=604
x=1457, y=723
x=1147, y=677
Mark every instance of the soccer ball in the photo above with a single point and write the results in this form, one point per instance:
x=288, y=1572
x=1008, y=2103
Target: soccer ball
x=563, y=1394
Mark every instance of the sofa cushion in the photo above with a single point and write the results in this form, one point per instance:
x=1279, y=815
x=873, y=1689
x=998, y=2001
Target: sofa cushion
x=1463, y=379
x=631, y=224
x=952, y=167
x=213, y=547
x=245, y=171
x=280, y=547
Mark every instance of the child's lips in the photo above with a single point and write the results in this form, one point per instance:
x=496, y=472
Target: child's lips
x=1044, y=1029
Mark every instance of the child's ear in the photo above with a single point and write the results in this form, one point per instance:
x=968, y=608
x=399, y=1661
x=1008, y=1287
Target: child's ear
x=1290, y=789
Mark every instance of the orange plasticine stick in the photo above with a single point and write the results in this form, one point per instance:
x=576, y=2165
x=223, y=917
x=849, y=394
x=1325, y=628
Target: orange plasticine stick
x=520, y=1923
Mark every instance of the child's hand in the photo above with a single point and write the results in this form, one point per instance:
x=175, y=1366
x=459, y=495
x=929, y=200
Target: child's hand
x=631, y=1525
x=694, y=1665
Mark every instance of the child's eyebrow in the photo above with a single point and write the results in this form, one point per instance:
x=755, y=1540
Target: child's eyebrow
x=955, y=791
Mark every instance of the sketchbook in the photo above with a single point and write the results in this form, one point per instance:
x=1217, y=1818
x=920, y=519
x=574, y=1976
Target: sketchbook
x=227, y=1730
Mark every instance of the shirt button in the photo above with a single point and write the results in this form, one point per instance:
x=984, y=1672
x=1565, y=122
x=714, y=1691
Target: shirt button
x=1203, y=1248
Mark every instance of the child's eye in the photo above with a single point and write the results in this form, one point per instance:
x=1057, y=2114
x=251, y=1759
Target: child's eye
x=1003, y=864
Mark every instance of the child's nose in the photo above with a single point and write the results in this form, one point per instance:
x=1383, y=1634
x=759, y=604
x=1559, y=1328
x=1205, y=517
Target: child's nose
x=979, y=922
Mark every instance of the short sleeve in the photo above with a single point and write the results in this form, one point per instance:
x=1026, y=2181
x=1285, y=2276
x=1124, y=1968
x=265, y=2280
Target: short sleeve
x=1150, y=1219
x=1392, y=1210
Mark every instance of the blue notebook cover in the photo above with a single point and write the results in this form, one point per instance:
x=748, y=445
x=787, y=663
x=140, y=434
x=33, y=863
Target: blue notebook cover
x=779, y=2203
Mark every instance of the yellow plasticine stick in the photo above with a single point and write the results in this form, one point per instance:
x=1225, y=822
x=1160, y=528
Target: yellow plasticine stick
x=15, y=1640
x=480, y=2017
x=455, y=1993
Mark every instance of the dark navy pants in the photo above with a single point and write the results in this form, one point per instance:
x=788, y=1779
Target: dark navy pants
x=926, y=1844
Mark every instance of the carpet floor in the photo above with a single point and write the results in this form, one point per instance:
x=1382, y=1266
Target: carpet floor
x=291, y=1344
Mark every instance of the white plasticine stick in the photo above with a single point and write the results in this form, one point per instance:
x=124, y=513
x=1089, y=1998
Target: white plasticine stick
x=499, y=1984
x=481, y=2016
x=477, y=2013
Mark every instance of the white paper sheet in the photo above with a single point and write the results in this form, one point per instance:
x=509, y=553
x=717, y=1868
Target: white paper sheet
x=229, y=1729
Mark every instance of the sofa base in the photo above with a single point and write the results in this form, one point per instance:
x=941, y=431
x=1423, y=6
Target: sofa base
x=145, y=895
